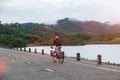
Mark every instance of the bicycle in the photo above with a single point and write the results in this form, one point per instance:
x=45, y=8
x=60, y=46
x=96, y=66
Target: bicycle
x=57, y=56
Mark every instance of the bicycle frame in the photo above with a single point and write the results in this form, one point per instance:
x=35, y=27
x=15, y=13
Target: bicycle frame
x=57, y=55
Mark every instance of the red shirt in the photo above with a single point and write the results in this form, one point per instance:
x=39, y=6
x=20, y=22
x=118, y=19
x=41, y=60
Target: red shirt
x=57, y=42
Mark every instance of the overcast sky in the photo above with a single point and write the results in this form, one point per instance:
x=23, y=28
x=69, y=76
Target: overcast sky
x=48, y=11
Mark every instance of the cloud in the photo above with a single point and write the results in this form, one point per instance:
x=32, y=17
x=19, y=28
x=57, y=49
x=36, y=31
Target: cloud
x=49, y=10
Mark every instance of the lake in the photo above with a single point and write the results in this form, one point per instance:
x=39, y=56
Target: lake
x=109, y=52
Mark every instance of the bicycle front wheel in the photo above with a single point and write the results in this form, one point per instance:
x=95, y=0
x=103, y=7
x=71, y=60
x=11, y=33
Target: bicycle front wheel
x=61, y=57
x=54, y=56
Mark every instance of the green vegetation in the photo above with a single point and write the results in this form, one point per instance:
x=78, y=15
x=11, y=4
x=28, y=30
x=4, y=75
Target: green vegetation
x=105, y=39
x=12, y=37
x=71, y=32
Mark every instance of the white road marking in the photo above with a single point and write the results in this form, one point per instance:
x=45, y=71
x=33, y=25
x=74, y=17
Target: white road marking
x=50, y=70
x=28, y=62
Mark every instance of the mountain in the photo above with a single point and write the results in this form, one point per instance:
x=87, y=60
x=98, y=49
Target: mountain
x=69, y=25
x=71, y=31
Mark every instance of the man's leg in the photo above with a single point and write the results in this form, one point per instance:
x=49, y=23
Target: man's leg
x=57, y=52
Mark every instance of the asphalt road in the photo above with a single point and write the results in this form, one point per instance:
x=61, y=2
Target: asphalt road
x=19, y=65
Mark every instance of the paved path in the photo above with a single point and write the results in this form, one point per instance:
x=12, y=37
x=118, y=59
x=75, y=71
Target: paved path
x=18, y=65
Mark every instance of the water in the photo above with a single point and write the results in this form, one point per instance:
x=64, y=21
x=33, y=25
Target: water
x=109, y=53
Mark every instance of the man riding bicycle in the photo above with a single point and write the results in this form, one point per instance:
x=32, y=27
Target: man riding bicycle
x=57, y=54
x=58, y=44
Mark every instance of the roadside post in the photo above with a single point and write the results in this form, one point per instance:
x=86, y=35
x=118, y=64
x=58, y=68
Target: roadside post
x=20, y=49
x=24, y=49
x=51, y=53
x=14, y=48
x=17, y=48
x=42, y=51
x=29, y=49
x=78, y=57
x=99, y=59
x=35, y=50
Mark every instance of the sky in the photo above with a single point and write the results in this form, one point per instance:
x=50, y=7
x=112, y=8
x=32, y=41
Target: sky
x=49, y=11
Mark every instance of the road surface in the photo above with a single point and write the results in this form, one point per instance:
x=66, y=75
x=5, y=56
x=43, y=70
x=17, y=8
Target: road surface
x=19, y=65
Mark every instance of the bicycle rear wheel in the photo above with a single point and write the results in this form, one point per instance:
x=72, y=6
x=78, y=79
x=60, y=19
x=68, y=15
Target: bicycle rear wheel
x=54, y=56
x=61, y=57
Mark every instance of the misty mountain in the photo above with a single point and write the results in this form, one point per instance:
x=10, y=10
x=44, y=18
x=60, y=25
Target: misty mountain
x=69, y=26
x=72, y=32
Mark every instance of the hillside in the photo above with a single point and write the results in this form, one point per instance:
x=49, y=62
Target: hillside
x=71, y=32
x=12, y=36
x=89, y=27
x=70, y=26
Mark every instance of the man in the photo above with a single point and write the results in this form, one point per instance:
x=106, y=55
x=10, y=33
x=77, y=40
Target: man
x=57, y=43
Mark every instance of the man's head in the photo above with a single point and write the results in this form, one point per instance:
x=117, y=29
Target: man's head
x=56, y=37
